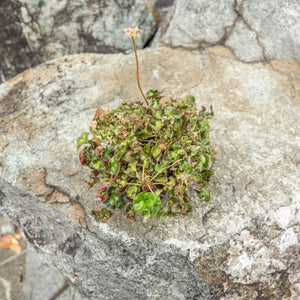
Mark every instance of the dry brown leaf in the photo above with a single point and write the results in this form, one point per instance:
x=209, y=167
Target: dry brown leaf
x=11, y=242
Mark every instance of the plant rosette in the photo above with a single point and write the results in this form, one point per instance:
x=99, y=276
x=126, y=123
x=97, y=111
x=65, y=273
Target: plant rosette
x=148, y=156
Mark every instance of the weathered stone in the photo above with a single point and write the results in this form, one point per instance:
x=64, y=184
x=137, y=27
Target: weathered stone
x=253, y=30
x=12, y=265
x=6, y=227
x=244, y=244
x=45, y=282
x=276, y=25
x=34, y=31
x=244, y=44
x=196, y=23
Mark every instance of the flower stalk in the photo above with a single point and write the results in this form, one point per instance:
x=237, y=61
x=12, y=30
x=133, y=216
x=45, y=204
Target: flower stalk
x=132, y=32
x=92, y=127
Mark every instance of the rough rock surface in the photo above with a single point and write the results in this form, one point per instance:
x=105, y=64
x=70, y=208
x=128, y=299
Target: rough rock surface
x=253, y=30
x=12, y=265
x=45, y=282
x=244, y=244
x=34, y=31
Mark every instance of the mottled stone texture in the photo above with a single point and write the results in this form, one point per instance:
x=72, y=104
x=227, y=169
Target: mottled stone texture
x=34, y=31
x=45, y=282
x=199, y=22
x=253, y=30
x=244, y=244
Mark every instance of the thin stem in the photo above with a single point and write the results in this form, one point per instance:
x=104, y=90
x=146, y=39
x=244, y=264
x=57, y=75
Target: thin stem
x=143, y=175
x=164, y=197
x=167, y=168
x=175, y=162
x=155, y=176
x=94, y=135
x=150, y=188
x=137, y=70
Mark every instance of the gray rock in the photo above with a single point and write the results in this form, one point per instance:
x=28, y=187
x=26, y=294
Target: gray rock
x=196, y=23
x=253, y=30
x=41, y=281
x=244, y=44
x=6, y=227
x=107, y=264
x=164, y=11
x=12, y=265
x=244, y=244
x=277, y=26
x=45, y=282
x=35, y=31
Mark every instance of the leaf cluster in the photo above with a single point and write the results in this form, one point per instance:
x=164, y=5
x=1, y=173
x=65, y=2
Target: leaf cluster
x=149, y=155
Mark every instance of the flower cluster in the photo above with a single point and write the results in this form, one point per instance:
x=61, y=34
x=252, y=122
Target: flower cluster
x=132, y=32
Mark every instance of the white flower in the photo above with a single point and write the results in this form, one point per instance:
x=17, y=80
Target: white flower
x=132, y=32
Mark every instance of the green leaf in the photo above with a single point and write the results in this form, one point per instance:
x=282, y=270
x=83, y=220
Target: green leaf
x=97, y=165
x=190, y=99
x=171, y=181
x=203, y=193
x=207, y=161
x=159, y=168
x=205, y=142
x=145, y=161
x=96, y=215
x=132, y=191
x=181, y=152
x=151, y=93
x=206, y=127
x=112, y=190
x=157, y=193
x=121, y=183
x=146, y=204
x=161, y=180
x=158, y=114
x=102, y=215
x=83, y=139
x=173, y=155
x=155, y=151
x=125, y=142
x=145, y=134
x=158, y=125
x=188, y=209
x=174, y=200
x=113, y=166
x=169, y=111
x=107, y=152
x=184, y=164
x=114, y=200
x=131, y=168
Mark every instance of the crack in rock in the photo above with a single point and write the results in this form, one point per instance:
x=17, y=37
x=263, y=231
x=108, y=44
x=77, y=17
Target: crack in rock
x=250, y=29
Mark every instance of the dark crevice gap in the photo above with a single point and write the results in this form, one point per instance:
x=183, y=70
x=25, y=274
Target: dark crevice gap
x=151, y=38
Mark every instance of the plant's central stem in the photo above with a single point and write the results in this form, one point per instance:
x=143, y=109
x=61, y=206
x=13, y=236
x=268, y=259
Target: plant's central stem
x=137, y=71
x=95, y=137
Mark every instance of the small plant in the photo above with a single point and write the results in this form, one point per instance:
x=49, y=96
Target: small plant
x=148, y=156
